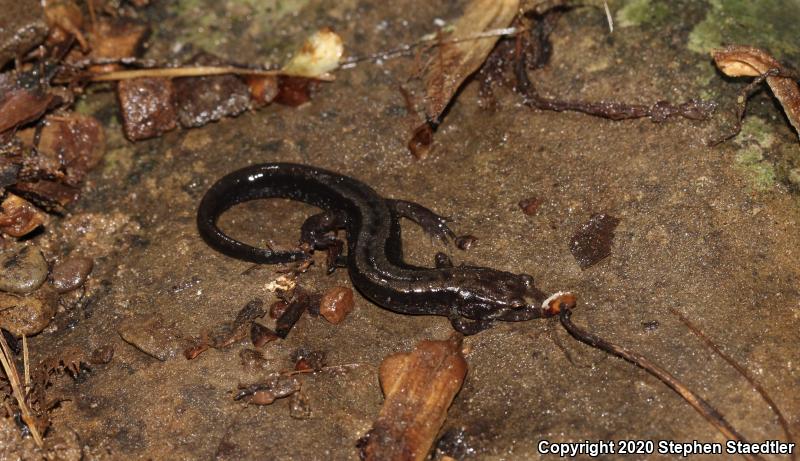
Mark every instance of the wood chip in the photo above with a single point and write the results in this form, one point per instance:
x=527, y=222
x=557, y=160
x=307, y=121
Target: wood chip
x=419, y=387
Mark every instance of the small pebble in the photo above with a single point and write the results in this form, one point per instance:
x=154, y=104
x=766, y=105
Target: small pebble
x=336, y=304
x=305, y=360
x=25, y=315
x=465, y=242
x=22, y=269
x=71, y=273
x=530, y=205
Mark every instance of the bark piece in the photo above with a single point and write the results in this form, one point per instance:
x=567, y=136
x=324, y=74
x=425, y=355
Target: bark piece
x=148, y=107
x=69, y=146
x=419, y=387
x=202, y=100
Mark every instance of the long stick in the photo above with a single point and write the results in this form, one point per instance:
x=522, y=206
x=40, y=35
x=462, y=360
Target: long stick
x=701, y=406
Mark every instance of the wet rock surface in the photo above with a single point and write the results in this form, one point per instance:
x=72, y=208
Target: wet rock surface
x=22, y=269
x=694, y=235
x=26, y=315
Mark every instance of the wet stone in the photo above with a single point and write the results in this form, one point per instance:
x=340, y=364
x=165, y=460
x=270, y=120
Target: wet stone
x=71, y=273
x=336, y=304
x=22, y=269
x=25, y=315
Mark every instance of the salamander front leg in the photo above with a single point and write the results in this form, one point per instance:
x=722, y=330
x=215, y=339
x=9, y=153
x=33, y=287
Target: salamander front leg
x=318, y=233
x=433, y=224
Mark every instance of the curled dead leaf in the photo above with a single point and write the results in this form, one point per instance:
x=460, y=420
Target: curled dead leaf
x=748, y=61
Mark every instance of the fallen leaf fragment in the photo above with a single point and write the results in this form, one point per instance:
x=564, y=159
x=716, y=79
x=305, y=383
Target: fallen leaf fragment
x=319, y=55
x=419, y=387
x=65, y=20
x=69, y=146
x=747, y=61
x=458, y=58
x=22, y=99
x=18, y=216
x=116, y=39
x=51, y=195
x=591, y=243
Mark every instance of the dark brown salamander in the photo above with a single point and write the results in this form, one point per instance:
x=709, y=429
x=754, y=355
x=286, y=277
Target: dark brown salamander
x=471, y=297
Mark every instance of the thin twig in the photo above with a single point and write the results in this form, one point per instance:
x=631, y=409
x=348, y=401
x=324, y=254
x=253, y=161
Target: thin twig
x=10, y=368
x=25, y=363
x=742, y=371
x=174, y=72
x=430, y=39
x=609, y=18
x=701, y=406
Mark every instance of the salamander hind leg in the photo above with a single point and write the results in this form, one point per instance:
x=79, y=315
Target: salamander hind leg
x=433, y=224
x=317, y=232
x=468, y=327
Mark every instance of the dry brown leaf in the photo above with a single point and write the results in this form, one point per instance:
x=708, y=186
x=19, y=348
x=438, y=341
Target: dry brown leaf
x=747, y=61
x=463, y=54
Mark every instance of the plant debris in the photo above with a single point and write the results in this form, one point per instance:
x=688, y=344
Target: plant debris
x=276, y=387
x=454, y=60
x=419, y=387
x=591, y=243
x=298, y=304
x=226, y=334
x=747, y=61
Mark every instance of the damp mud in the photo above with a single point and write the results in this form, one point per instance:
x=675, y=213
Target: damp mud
x=709, y=231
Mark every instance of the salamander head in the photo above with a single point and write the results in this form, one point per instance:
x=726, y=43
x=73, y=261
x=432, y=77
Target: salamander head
x=500, y=295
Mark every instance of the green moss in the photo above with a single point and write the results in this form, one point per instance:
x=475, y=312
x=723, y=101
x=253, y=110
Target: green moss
x=755, y=139
x=769, y=24
x=638, y=12
x=216, y=26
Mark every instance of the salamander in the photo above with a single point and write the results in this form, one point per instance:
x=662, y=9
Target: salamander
x=472, y=297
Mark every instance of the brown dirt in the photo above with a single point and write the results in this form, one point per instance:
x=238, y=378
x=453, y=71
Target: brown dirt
x=693, y=235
